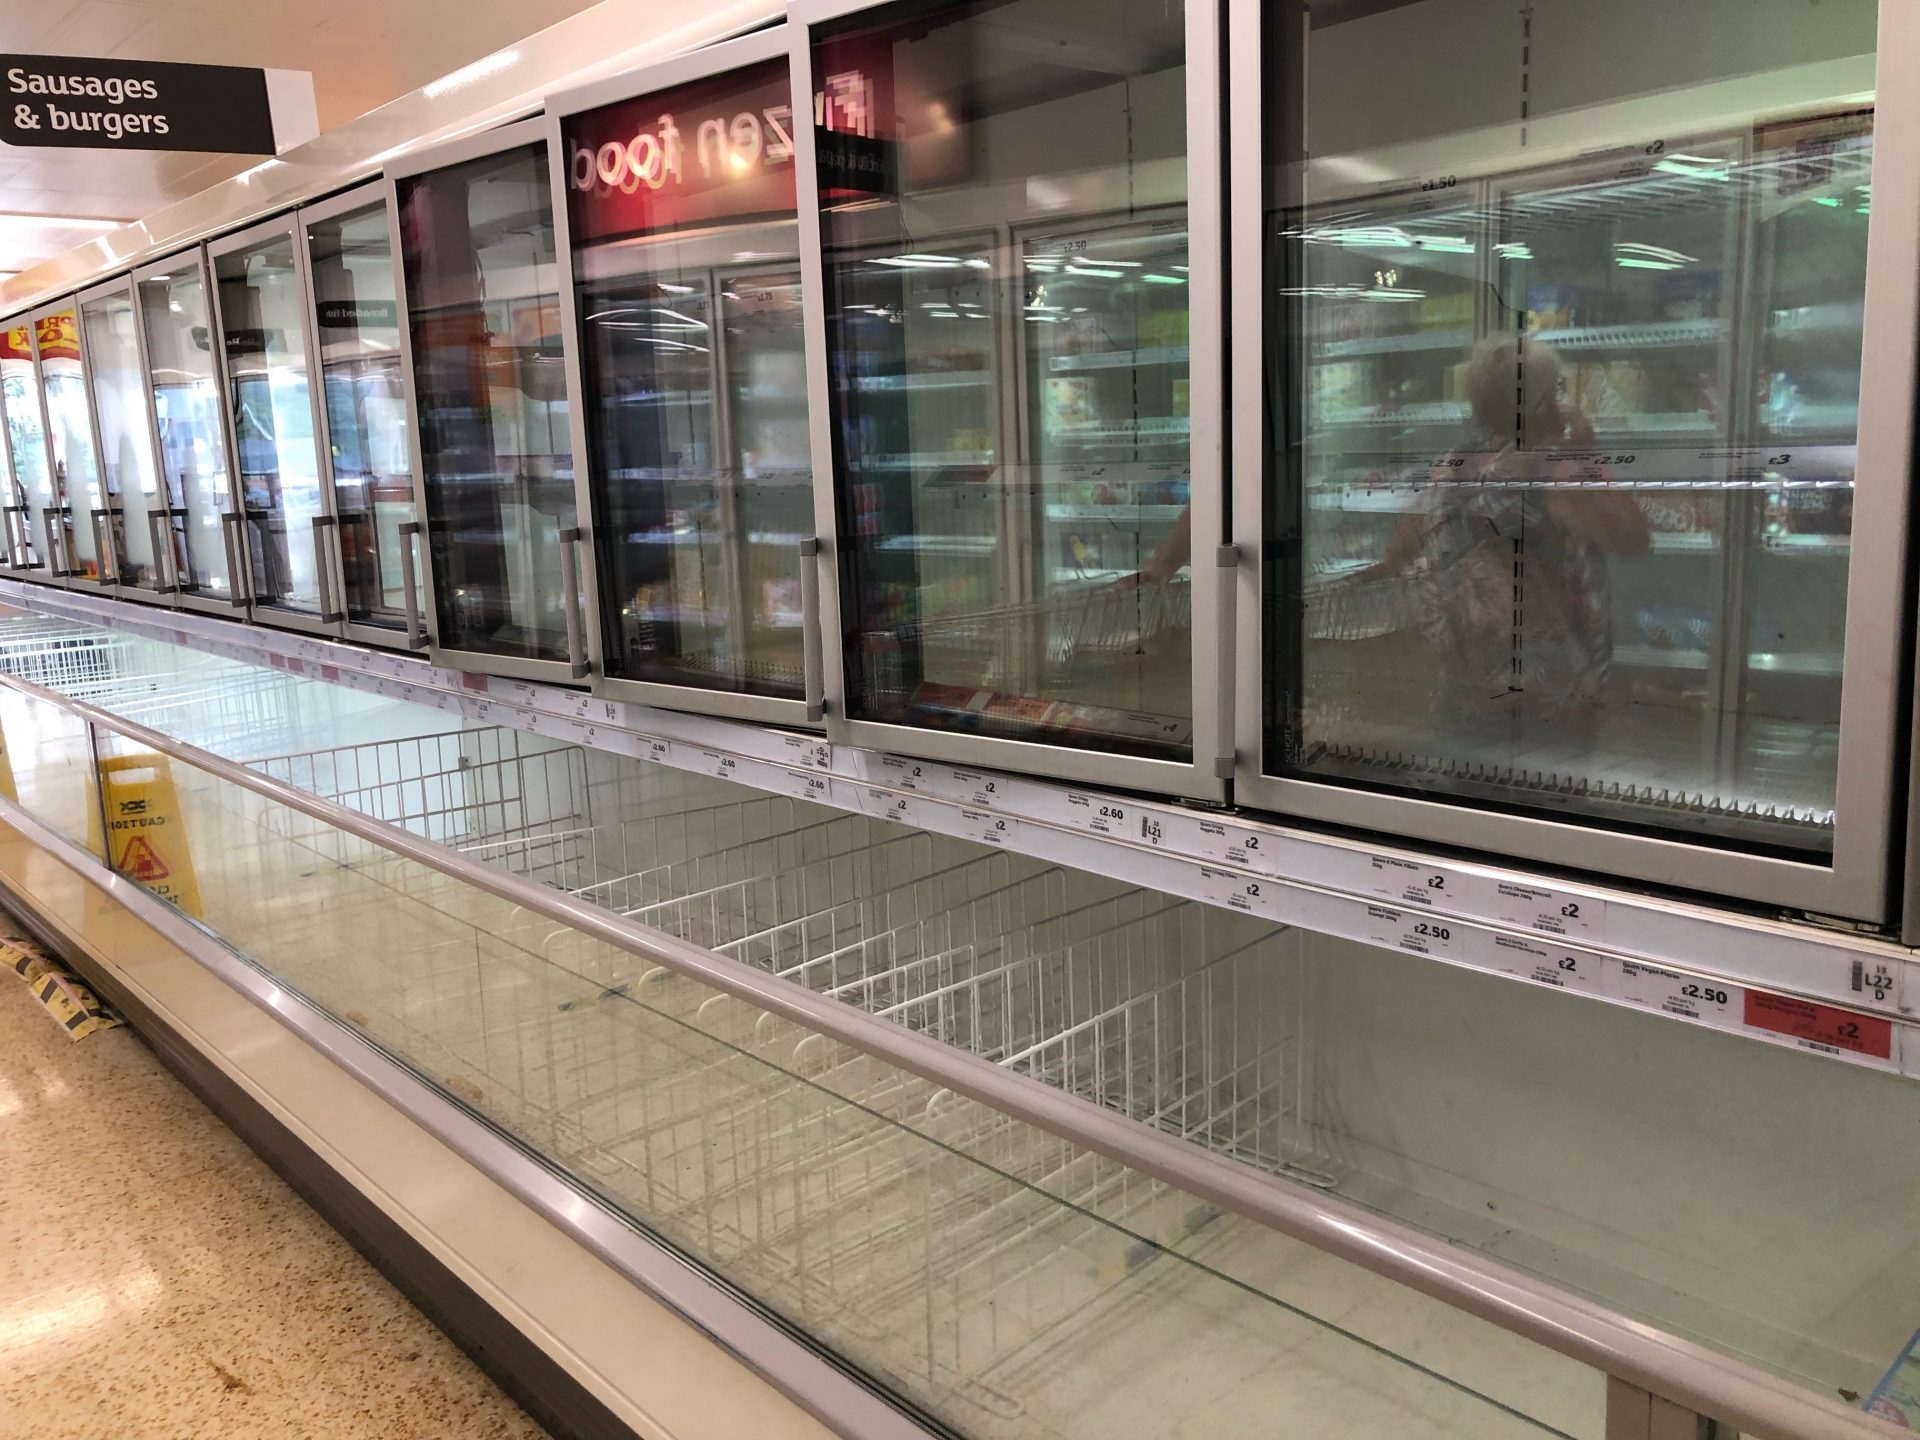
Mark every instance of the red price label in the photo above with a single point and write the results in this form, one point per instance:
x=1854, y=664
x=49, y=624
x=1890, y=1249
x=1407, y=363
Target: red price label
x=1826, y=1026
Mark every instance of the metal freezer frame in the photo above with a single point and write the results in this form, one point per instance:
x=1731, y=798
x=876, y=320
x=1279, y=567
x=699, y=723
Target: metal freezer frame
x=519, y=134
x=41, y=572
x=359, y=197
x=1204, y=776
x=181, y=598
x=326, y=551
x=707, y=62
x=123, y=286
x=1856, y=883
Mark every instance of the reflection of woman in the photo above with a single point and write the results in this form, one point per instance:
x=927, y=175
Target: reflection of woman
x=1507, y=548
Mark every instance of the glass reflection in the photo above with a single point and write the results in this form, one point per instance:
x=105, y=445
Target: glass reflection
x=264, y=339
x=76, y=474
x=187, y=414
x=483, y=310
x=695, y=353
x=1571, y=477
x=358, y=332
x=126, y=443
x=26, y=447
x=1006, y=293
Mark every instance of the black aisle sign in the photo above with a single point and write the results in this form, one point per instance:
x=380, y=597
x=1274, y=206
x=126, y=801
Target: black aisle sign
x=134, y=105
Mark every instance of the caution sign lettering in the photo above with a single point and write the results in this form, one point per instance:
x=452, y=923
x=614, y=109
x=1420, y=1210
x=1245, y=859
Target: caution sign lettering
x=145, y=838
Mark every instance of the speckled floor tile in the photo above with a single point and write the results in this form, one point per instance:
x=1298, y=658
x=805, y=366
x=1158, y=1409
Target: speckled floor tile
x=157, y=1280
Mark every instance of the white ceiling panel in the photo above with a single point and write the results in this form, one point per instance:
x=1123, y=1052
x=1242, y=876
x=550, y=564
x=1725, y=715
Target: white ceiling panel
x=362, y=53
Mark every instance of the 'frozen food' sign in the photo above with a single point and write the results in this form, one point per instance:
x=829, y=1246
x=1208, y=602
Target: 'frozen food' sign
x=709, y=151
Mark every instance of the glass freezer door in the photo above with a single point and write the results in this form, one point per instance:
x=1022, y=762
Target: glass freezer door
x=1563, y=436
x=1003, y=220
x=357, y=338
x=76, y=471
x=263, y=334
x=483, y=310
x=26, y=453
x=108, y=324
x=184, y=389
x=693, y=362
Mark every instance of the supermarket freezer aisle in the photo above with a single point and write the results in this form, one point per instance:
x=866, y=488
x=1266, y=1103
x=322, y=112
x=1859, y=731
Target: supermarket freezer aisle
x=157, y=1278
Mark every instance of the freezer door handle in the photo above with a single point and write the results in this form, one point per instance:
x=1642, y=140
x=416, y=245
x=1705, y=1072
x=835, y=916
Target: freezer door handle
x=166, y=569
x=56, y=554
x=410, y=586
x=102, y=545
x=1226, y=560
x=570, y=586
x=330, y=614
x=19, y=531
x=813, y=667
x=236, y=547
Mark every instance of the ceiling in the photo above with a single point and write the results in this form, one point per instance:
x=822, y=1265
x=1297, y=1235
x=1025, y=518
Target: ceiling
x=362, y=53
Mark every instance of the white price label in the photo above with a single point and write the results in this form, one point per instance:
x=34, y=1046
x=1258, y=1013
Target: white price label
x=1250, y=894
x=885, y=805
x=970, y=787
x=802, y=784
x=902, y=774
x=1409, y=883
x=1551, y=912
x=987, y=827
x=1712, y=1001
x=1543, y=964
x=1415, y=933
x=1220, y=841
x=660, y=752
x=801, y=750
x=1101, y=814
x=717, y=763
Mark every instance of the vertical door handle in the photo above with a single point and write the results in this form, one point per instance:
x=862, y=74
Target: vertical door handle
x=323, y=571
x=19, y=522
x=103, y=545
x=813, y=666
x=239, y=582
x=166, y=572
x=570, y=584
x=56, y=554
x=410, y=585
x=1226, y=560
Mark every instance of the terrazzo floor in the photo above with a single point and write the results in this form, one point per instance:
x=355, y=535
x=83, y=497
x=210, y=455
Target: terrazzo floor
x=158, y=1280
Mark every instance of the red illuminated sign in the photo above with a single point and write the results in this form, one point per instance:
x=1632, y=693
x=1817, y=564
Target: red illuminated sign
x=711, y=150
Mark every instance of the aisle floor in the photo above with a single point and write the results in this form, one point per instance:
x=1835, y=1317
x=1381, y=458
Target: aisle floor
x=157, y=1279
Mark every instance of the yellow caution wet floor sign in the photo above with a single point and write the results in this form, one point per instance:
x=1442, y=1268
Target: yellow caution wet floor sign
x=145, y=838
